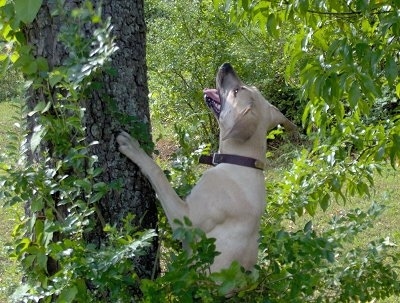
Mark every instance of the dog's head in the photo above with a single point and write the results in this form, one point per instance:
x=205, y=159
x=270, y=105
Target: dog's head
x=240, y=109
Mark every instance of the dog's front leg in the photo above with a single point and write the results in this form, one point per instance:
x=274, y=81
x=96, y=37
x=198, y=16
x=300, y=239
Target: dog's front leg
x=174, y=207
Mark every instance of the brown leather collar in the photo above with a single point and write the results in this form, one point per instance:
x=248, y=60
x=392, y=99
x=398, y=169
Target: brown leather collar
x=215, y=159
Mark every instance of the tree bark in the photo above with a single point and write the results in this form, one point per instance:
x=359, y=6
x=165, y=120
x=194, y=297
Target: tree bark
x=126, y=92
x=129, y=92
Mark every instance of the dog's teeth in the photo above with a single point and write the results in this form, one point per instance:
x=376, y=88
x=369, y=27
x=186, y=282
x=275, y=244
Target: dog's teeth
x=214, y=105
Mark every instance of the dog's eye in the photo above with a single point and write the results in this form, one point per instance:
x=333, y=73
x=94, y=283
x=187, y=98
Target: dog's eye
x=237, y=89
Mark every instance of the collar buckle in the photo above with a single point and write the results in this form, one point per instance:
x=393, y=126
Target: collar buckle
x=213, y=161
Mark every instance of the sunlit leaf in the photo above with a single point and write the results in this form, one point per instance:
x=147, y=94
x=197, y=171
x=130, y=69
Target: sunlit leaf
x=398, y=90
x=37, y=137
x=42, y=107
x=272, y=25
x=55, y=77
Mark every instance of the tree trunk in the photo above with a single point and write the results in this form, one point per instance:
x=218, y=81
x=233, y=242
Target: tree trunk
x=123, y=93
x=128, y=91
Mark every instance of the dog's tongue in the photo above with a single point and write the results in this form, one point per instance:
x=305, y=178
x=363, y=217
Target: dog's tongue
x=211, y=93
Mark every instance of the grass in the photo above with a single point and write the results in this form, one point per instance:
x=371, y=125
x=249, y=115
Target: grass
x=8, y=112
x=386, y=193
x=9, y=274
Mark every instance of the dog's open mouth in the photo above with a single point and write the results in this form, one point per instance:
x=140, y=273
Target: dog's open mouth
x=211, y=97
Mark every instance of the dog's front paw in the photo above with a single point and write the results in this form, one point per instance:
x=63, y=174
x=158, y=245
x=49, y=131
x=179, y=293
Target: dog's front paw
x=127, y=144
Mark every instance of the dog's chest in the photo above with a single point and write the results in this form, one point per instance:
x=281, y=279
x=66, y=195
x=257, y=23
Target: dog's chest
x=226, y=193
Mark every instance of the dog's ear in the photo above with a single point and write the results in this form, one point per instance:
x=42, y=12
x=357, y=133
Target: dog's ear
x=244, y=124
x=275, y=117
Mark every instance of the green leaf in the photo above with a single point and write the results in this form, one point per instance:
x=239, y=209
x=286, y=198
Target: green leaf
x=3, y=2
x=42, y=64
x=311, y=208
x=245, y=5
x=324, y=202
x=308, y=227
x=380, y=153
x=395, y=150
x=363, y=189
x=41, y=259
x=370, y=86
x=84, y=183
x=41, y=107
x=187, y=221
x=14, y=57
x=100, y=187
x=398, y=90
x=30, y=68
x=37, y=204
x=354, y=94
x=55, y=77
x=303, y=6
x=272, y=25
x=362, y=5
x=96, y=197
x=228, y=278
x=26, y=10
x=391, y=70
x=67, y=295
x=22, y=245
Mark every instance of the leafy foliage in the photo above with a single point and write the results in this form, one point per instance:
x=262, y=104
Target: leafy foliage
x=343, y=60
x=348, y=68
x=295, y=266
x=187, y=41
x=348, y=54
x=188, y=278
x=341, y=57
x=62, y=189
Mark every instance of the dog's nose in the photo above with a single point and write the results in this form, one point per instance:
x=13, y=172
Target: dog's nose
x=226, y=67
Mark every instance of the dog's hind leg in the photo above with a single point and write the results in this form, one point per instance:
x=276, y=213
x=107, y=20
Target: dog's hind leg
x=173, y=205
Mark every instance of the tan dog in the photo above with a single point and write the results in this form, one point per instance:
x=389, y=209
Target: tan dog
x=229, y=199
